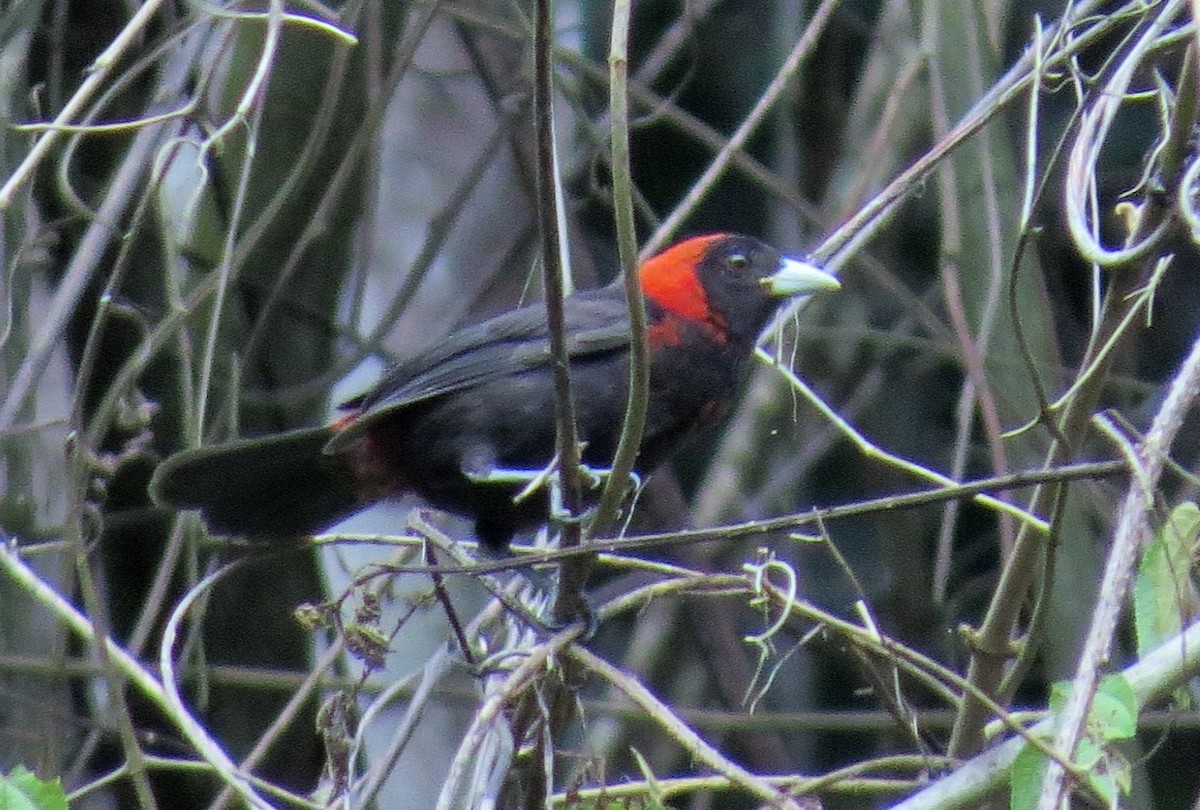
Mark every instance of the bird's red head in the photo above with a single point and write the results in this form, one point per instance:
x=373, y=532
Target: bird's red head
x=728, y=283
x=670, y=279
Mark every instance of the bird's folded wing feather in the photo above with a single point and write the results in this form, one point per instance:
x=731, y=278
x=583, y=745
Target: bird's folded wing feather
x=500, y=347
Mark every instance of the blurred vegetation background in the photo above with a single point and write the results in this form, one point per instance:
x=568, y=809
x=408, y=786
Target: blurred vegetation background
x=240, y=218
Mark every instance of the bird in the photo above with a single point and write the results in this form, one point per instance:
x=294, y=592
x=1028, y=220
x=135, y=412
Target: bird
x=466, y=423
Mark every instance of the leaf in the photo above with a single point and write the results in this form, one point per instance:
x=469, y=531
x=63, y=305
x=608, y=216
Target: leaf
x=1120, y=770
x=1060, y=693
x=1108, y=771
x=1113, y=716
x=1163, y=593
x=1025, y=778
x=21, y=789
x=1114, y=711
x=1088, y=755
x=1104, y=784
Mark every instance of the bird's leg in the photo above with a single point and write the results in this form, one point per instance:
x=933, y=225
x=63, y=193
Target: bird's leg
x=481, y=471
x=532, y=479
x=593, y=479
x=548, y=476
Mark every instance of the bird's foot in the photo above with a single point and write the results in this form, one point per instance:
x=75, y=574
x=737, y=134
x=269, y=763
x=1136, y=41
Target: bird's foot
x=584, y=610
x=546, y=581
x=593, y=480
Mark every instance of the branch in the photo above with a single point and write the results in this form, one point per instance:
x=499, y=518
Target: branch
x=1150, y=678
x=570, y=581
x=1128, y=539
x=24, y=577
x=639, y=356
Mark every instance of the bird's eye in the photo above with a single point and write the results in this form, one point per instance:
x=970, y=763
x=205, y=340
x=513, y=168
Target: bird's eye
x=739, y=261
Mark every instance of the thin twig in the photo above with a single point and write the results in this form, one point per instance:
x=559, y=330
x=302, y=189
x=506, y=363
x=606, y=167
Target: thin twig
x=697, y=748
x=1155, y=675
x=1123, y=301
x=147, y=685
x=639, y=354
x=490, y=714
x=96, y=74
x=1129, y=538
x=758, y=528
x=779, y=84
x=553, y=279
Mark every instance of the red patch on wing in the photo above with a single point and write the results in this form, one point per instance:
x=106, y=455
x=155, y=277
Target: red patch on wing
x=671, y=280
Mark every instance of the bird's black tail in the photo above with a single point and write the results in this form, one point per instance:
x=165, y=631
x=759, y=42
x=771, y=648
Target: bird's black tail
x=276, y=486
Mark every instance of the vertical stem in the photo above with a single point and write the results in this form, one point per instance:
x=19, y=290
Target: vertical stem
x=639, y=357
x=992, y=643
x=566, y=605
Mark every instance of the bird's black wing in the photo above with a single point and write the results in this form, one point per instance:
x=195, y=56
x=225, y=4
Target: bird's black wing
x=517, y=341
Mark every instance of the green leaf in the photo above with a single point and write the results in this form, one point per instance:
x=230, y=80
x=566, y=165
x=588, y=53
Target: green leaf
x=1060, y=693
x=1121, y=770
x=21, y=789
x=1113, y=716
x=1109, y=772
x=1025, y=778
x=1088, y=754
x=1114, y=711
x=1105, y=787
x=1163, y=593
